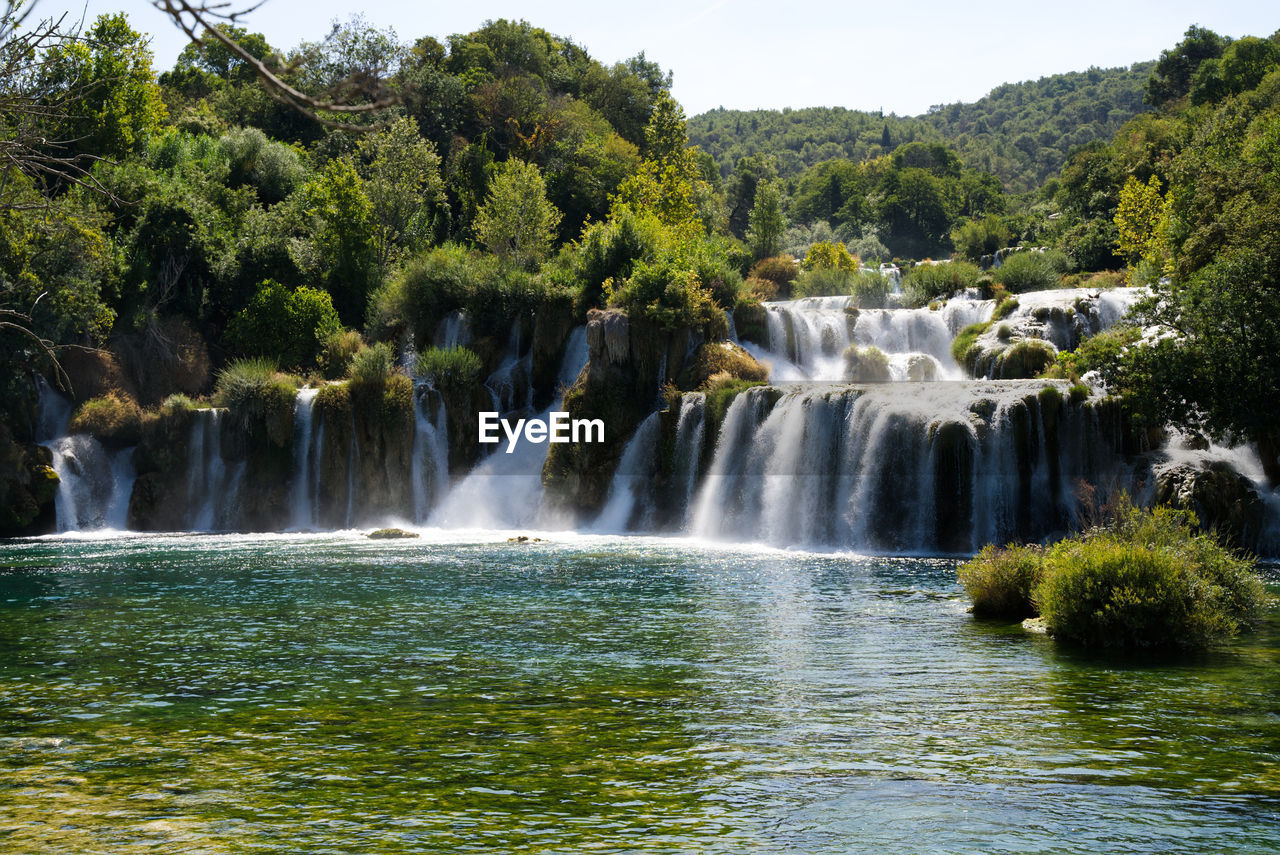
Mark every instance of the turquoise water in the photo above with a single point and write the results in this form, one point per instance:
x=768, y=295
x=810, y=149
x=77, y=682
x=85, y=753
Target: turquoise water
x=333, y=694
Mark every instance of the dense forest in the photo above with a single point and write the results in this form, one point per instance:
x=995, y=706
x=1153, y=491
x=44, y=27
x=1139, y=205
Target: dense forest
x=1019, y=132
x=160, y=227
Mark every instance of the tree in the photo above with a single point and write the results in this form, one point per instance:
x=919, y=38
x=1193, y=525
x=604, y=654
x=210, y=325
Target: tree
x=1140, y=220
x=402, y=179
x=767, y=222
x=343, y=238
x=289, y=326
x=1173, y=73
x=517, y=222
x=116, y=103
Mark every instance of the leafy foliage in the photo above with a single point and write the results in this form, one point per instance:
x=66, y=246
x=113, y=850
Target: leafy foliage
x=452, y=368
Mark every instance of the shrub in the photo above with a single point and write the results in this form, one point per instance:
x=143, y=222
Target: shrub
x=721, y=359
x=256, y=392
x=1000, y=581
x=1144, y=580
x=1004, y=332
x=965, y=340
x=610, y=250
x=1148, y=580
x=721, y=389
x=1099, y=351
x=927, y=282
x=671, y=295
x=338, y=350
x=1026, y=359
x=779, y=271
x=373, y=365
x=869, y=288
x=976, y=238
x=1032, y=271
x=176, y=404
x=828, y=255
x=111, y=418
x=865, y=364
x=1006, y=307
x=453, y=368
x=287, y=325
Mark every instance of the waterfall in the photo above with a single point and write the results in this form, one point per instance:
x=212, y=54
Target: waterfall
x=807, y=338
x=212, y=489
x=690, y=432
x=303, y=498
x=929, y=467
x=453, y=331
x=94, y=484
x=631, y=490
x=504, y=491
x=430, y=452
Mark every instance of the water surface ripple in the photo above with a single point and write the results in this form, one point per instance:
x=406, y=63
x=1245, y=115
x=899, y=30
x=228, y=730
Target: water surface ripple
x=330, y=694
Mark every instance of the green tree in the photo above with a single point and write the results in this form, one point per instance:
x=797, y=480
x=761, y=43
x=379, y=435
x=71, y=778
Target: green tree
x=403, y=182
x=114, y=103
x=767, y=222
x=343, y=248
x=517, y=222
x=288, y=326
x=1173, y=73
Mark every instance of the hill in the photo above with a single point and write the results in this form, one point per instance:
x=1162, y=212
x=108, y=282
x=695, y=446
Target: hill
x=1021, y=132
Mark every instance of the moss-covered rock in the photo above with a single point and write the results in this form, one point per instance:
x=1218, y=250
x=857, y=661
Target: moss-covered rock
x=720, y=357
x=1223, y=501
x=865, y=365
x=160, y=499
x=391, y=534
x=553, y=321
x=367, y=452
x=751, y=321
x=28, y=486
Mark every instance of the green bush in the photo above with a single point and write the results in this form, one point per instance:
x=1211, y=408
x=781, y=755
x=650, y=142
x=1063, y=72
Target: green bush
x=1032, y=271
x=453, y=368
x=1026, y=359
x=965, y=340
x=338, y=350
x=779, y=271
x=865, y=364
x=925, y=283
x=721, y=389
x=869, y=288
x=1144, y=580
x=716, y=358
x=257, y=393
x=671, y=295
x=1006, y=307
x=373, y=365
x=976, y=238
x=290, y=326
x=112, y=418
x=1099, y=351
x=1000, y=581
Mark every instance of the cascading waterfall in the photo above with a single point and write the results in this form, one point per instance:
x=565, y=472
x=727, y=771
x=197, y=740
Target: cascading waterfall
x=943, y=466
x=303, y=500
x=631, y=490
x=213, y=488
x=690, y=432
x=807, y=338
x=504, y=491
x=94, y=483
x=430, y=452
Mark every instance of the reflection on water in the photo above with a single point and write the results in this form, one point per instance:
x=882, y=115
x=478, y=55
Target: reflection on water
x=215, y=694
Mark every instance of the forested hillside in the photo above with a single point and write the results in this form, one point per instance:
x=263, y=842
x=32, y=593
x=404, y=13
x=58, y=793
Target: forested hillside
x=1021, y=132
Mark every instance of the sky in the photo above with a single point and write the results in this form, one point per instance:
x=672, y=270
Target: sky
x=898, y=57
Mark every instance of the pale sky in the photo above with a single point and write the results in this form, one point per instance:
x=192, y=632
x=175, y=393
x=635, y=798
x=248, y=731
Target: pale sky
x=900, y=57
